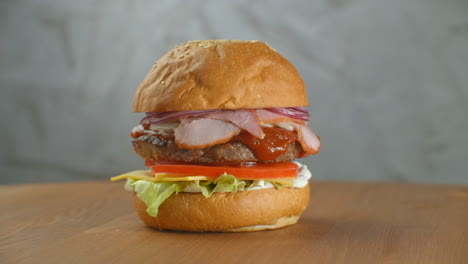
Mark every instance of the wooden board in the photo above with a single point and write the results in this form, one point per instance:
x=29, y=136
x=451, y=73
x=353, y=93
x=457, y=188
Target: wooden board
x=345, y=223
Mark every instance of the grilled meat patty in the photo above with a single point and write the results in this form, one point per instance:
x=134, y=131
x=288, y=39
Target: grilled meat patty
x=161, y=146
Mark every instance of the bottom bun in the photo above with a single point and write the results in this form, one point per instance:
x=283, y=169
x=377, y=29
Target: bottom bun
x=242, y=211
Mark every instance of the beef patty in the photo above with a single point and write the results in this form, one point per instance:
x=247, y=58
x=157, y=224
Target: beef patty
x=162, y=147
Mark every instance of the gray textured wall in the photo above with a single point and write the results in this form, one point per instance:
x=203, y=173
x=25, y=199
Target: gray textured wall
x=387, y=81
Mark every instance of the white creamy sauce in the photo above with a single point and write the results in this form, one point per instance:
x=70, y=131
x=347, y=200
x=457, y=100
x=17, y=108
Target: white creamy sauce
x=162, y=126
x=303, y=176
x=167, y=125
x=128, y=187
x=286, y=125
x=137, y=129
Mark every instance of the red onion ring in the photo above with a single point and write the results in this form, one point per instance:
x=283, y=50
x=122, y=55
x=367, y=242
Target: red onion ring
x=301, y=108
x=300, y=113
x=161, y=117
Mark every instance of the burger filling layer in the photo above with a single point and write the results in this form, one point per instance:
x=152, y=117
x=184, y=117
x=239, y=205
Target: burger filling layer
x=226, y=136
x=153, y=191
x=278, y=145
x=220, y=150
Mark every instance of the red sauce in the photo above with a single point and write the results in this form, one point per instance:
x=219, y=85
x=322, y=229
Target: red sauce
x=274, y=144
x=137, y=134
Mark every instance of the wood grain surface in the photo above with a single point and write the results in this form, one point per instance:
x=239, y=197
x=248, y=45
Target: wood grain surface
x=345, y=223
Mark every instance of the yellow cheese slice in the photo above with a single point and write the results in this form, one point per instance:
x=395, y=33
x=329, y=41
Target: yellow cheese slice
x=148, y=175
x=135, y=175
x=175, y=177
x=283, y=181
x=154, y=177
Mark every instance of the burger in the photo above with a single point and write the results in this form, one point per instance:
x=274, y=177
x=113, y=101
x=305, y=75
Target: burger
x=224, y=120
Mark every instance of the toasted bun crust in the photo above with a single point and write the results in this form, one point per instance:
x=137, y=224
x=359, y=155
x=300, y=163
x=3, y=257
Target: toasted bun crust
x=229, y=212
x=220, y=74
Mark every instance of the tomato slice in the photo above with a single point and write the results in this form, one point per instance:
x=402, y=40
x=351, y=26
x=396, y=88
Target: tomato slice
x=256, y=171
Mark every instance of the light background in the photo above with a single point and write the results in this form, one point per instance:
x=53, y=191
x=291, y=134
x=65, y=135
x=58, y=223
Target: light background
x=387, y=81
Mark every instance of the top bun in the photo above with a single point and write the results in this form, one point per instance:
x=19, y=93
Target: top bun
x=220, y=74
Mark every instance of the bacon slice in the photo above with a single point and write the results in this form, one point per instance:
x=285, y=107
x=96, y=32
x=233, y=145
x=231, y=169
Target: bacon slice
x=310, y=142
x=243, y=118
x=203, y=132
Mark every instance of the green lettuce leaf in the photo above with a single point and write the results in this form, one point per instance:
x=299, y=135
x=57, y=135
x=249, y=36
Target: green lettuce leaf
x=153, y=194
x=224, y=183
x=278, y=186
